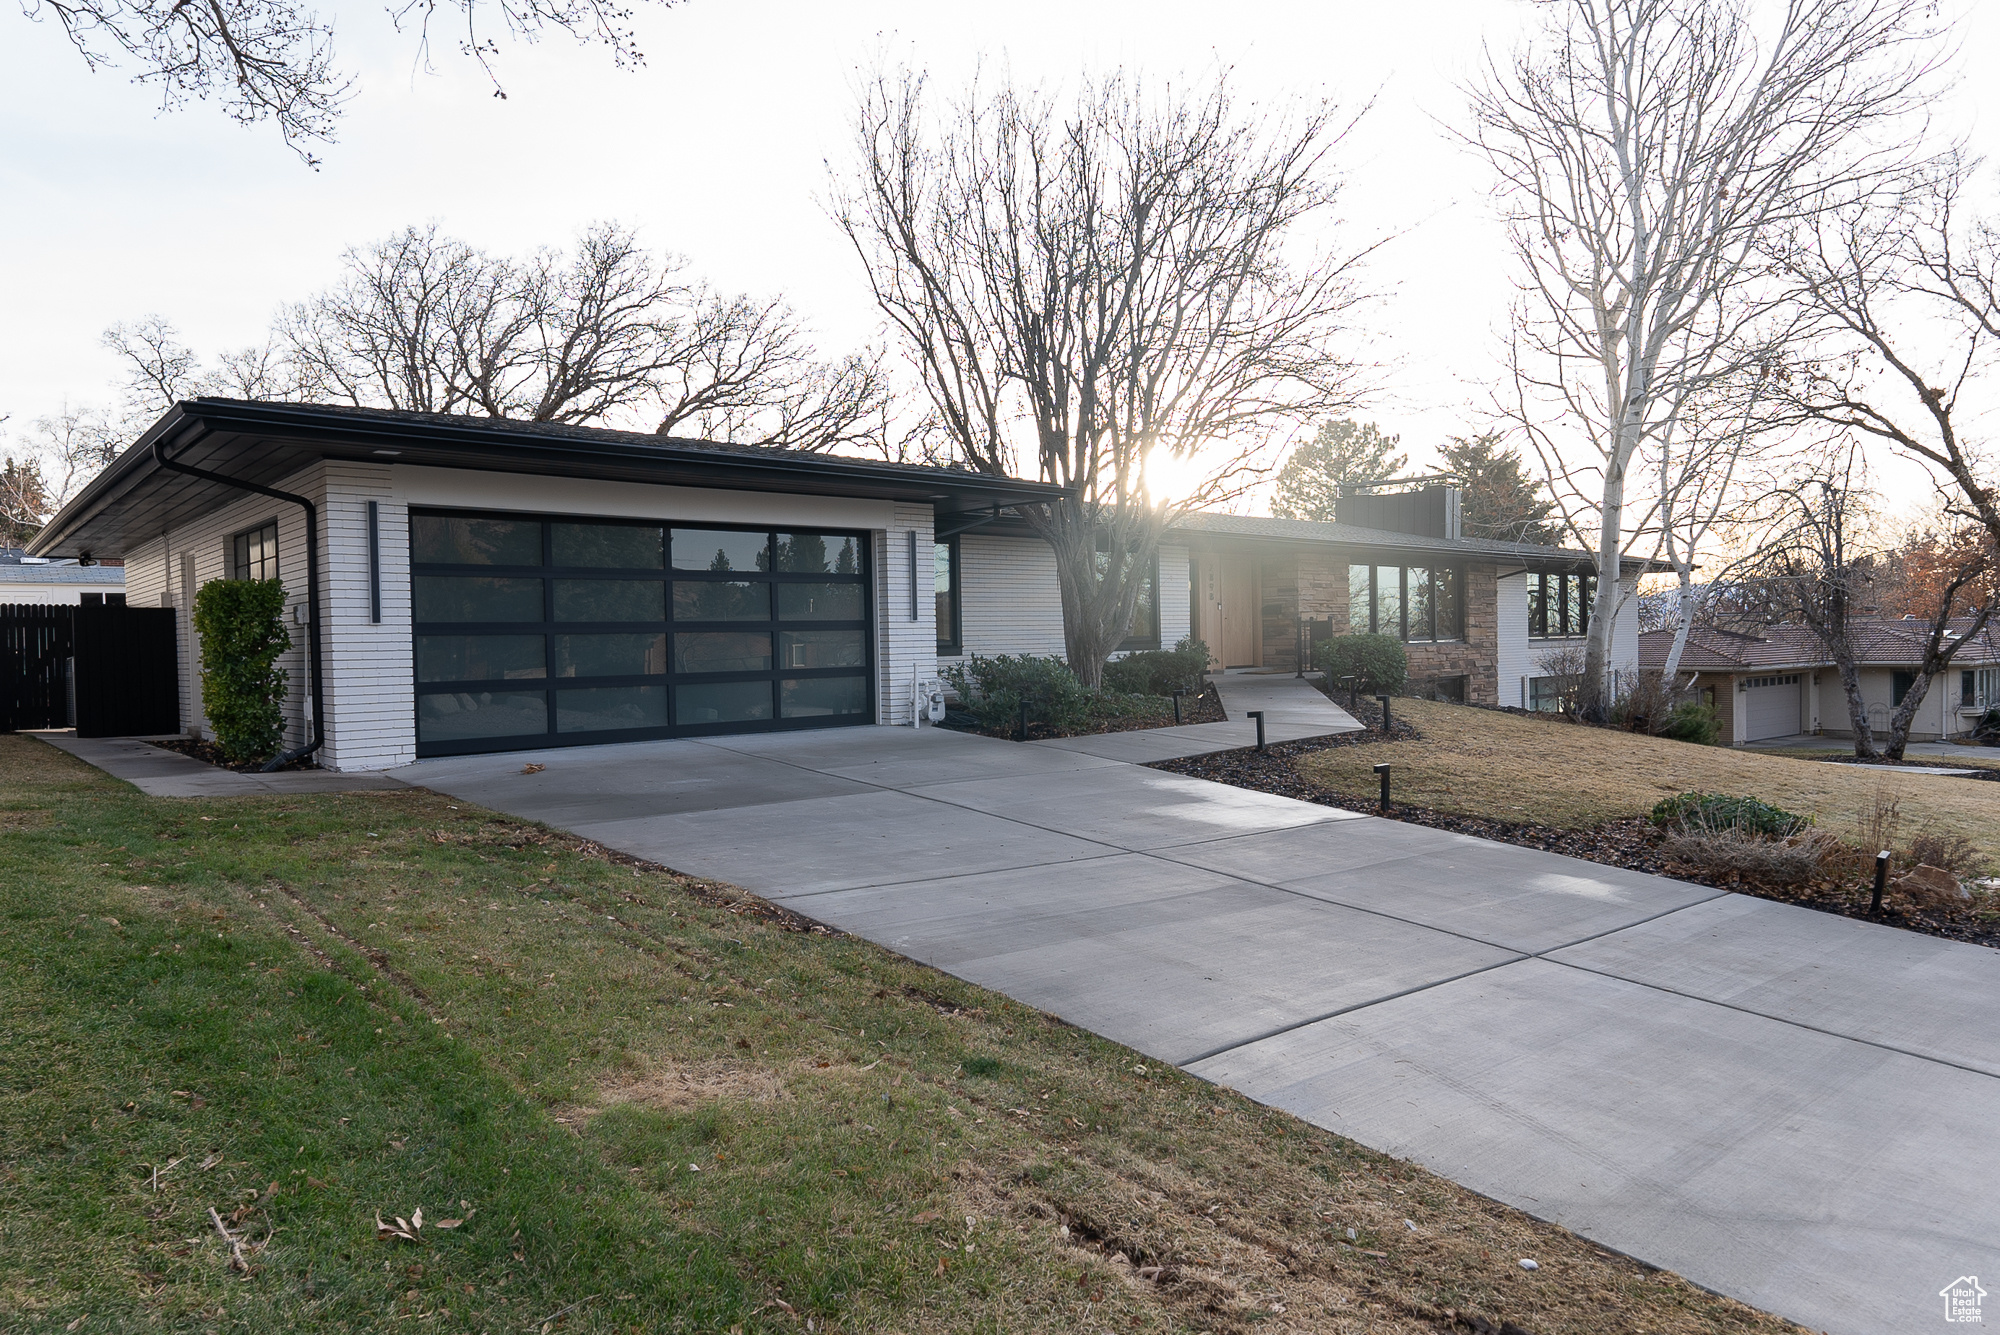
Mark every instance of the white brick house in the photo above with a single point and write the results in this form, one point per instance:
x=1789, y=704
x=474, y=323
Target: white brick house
x=490, y=585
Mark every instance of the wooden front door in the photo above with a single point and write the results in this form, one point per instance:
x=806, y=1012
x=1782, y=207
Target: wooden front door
x=1229, y=620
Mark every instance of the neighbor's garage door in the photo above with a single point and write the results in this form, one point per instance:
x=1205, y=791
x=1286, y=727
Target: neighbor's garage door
x=1772, y=708
x=543, y=631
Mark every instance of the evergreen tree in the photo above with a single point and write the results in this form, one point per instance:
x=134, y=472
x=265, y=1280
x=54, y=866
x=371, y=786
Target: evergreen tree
x=1342, y=452
x=1497, y=498
x=24, y=501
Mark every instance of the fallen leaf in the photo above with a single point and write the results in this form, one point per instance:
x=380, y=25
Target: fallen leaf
x=78, y=1323
x=526, y=769
x=447, y=1223
x=211, y=1161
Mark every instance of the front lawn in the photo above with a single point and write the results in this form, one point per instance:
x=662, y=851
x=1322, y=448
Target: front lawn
x=625, y=1101
x=1510, y=767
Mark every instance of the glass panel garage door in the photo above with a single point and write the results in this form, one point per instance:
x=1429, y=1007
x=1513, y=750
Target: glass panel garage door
x=554, y=632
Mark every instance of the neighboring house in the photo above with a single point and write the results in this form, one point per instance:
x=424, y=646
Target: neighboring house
x=1779, y=681
x=493, y=585
x=26, y=579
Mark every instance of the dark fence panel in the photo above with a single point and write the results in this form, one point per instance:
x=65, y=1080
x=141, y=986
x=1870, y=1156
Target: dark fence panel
x=127, y=673
x=35, y=646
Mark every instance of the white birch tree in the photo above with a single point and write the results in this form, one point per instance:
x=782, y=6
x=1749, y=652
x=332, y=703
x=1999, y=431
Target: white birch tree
x=1645, y=152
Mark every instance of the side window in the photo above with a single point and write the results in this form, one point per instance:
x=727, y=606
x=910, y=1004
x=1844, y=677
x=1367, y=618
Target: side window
x=253, y=554
x=949, y=595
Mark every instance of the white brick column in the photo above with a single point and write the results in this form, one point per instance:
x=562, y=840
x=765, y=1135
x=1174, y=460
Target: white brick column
x=905, y=611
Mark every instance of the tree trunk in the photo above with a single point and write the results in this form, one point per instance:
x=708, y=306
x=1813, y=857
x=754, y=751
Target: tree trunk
x=1685, y=619
x=1857, y=708
x=1594, y=706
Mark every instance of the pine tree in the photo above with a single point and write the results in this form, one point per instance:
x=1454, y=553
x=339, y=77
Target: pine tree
x=1497, y=498
x=24, y=501
x=1342, y=452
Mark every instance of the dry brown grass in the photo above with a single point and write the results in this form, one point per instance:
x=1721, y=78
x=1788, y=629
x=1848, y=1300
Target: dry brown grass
x=1507, y=767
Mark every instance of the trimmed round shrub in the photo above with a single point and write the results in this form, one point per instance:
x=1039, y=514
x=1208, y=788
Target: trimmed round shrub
x=242, y=627
x=1159, y=671
x=1379, y=660
x=1711, y=812
x=992, y=689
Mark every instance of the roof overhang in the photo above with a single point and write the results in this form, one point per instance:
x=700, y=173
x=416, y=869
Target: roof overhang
x=134, y=500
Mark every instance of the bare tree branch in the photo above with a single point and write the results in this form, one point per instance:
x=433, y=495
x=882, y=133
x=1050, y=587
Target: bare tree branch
x=1092, y=290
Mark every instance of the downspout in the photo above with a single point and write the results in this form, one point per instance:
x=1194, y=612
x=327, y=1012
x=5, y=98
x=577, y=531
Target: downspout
x=317, y=735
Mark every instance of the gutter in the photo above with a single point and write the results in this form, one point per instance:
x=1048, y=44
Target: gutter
x=317, y=736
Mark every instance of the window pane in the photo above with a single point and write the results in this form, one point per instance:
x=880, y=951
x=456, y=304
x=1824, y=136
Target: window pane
x=605, y=708
x=479, y=542
x=610, y=655
x=722, y=702
x=722, y=651
x=612, y=546
x=941, y=567
x=611, y=600
x=720, y=549
x=721, y=600
x=1145, y=621
x=1418, y=581
x=1389, y=600
x=819, y=554
x=1449, y=603
x=478, y=598
x=1357, y=599
x=819, y=602
x=479, y=657
x=822, y=649
x=465, y=715
x=823, y=696
x=1538, y=606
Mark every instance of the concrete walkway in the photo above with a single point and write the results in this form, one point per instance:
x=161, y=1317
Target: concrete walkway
x=1791, y=1108
x=158, y=772
x=1293, y=709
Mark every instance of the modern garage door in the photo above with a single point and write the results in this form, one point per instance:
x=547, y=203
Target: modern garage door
x=547, y=631
x=1772, y=707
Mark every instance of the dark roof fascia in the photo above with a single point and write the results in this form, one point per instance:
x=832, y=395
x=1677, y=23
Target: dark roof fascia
x=1527, y=556
x=519, y=448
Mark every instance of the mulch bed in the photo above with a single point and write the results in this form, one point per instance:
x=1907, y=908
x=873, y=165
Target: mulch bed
x=1631, y=842
x=1204, y=708
x=210, y=754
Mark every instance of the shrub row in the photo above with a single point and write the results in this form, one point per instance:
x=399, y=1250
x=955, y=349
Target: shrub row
x=992, y=690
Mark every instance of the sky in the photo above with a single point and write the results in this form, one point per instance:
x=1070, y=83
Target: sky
x=719, y=148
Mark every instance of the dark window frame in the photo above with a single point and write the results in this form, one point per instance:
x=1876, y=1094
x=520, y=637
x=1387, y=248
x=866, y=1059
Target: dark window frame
x=549, y=626
x=1135, y=643
x=1574, y=595
x=951, y=638
x=243, y=564
x=1401, y=630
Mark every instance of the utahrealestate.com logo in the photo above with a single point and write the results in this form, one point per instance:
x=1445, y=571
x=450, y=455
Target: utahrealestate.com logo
x=1961, y=1299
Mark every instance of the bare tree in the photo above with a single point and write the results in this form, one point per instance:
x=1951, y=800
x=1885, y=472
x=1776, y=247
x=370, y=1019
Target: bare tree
x=1094, y=290
x=428, y=324
x=272, y=60
x=1908, y=289
x=1646, y=150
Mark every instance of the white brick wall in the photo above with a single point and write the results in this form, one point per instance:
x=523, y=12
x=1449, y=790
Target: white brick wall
x=369, y=699
x=154, y=579
x=1516, y=660
x=906, y=611
x=1011, y=602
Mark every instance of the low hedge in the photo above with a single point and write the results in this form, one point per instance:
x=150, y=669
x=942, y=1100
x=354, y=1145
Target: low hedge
x=992, y=689
x=1719, y=811
x=1379, y=660
x=1159, y=671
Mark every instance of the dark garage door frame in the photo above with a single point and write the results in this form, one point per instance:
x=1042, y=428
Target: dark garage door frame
x=512, y=657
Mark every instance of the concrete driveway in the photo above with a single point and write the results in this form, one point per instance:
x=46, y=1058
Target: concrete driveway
x=1790, y=1108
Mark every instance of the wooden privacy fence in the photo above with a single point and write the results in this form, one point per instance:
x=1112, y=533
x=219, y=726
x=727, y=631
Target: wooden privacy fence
x=107, y=671
x=35, y=647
